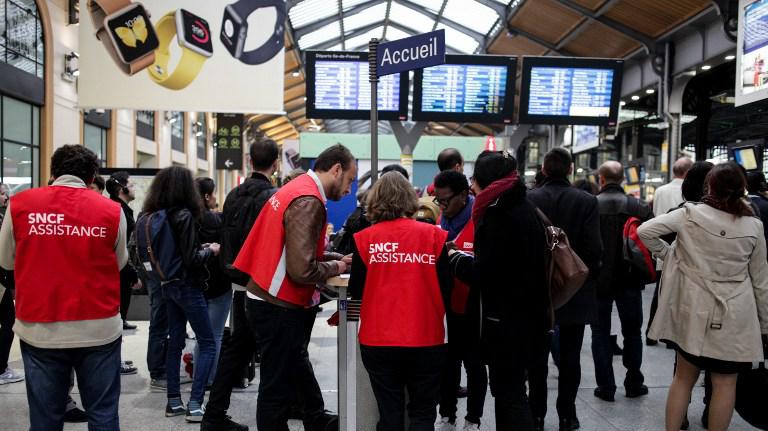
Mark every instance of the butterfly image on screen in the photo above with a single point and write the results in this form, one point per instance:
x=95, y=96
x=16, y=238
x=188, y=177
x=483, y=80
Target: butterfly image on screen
x=136, y=32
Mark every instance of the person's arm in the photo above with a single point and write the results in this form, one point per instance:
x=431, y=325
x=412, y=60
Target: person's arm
x=303, y=230
x=593, y=249
x=651, y=231
x=358, y=275
x=7, y=241
x=462, y=266
x=121, y=250
x=758, y=273
x=444, y=276
x=187, y=240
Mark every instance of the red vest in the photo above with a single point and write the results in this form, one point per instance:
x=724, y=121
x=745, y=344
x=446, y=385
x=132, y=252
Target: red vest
x=464, y=242
x=263, y=253
x=402, y=304
x=66, y=267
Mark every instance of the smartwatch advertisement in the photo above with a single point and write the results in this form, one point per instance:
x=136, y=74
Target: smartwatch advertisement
x=182, y=55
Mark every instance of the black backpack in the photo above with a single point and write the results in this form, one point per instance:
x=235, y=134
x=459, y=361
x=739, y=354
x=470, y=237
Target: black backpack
x=241, y=208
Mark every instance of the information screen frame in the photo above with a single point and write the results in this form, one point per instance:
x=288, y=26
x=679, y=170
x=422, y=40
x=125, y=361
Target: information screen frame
x=746, y=60
x=350, y=114
x=754, y=145
x=616, y=65
x=506, y=116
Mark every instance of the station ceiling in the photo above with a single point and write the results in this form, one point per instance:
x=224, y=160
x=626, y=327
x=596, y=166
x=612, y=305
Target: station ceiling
x=578, y=28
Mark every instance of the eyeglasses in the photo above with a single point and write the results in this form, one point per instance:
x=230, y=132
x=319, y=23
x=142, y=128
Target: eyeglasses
x=444, y=201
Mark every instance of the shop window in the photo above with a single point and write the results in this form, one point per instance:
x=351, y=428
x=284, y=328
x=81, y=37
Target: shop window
x=145, y=124
x=95, y=139
x=200, y=129
x=21, y=36
x=177, y=130
x=20, y=149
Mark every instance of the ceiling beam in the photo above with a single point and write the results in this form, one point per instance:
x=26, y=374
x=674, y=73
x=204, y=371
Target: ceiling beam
x=533, y=38
x=279, y=129
x=316, y=25
x=508, y=15
x=474, y=34
x=272, y=123
x=335, y=41
x=647, y=42
x=584, y=24
x=284, y=135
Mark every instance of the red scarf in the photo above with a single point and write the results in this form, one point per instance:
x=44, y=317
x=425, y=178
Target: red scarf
x=489, y=194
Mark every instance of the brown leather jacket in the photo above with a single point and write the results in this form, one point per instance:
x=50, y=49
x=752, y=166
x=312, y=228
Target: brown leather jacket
x=303, y=222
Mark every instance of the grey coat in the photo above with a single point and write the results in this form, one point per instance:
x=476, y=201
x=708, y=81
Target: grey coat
x=714, y=288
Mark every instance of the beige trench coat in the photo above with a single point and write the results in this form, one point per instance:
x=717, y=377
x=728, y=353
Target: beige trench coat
x=714, y=286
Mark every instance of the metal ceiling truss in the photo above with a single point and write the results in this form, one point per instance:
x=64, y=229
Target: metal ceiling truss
x=316, y=25
x=439, y=18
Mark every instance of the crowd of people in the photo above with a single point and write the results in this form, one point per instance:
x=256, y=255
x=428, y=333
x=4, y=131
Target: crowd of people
x=459, y=278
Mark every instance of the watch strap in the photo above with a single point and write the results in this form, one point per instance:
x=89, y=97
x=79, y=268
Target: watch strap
x=99, y=9
x=276, y=41
x=190, y=62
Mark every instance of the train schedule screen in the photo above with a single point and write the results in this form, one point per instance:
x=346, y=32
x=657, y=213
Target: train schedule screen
x=574, y=92
x=343, y=85
x=464, y=88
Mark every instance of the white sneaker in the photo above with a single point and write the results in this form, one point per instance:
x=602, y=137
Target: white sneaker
x=11, y=376
x=469, y=426
x=444, y=424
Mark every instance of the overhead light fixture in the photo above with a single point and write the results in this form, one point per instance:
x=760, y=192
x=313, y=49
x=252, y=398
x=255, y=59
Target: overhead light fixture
x=729, y=57
x=622, y=103
x=706, y=67
x=71, y=66
x=305, y=98
x=170, y=118
x=295, y=74
x=650, y=91
x=635, y=97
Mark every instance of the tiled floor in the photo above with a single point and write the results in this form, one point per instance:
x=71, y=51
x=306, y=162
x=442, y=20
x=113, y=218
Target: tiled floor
x=142, y=409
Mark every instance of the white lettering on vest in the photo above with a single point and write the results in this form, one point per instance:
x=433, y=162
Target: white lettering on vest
x=386, y=252
x=50, y=224
x=274, y=202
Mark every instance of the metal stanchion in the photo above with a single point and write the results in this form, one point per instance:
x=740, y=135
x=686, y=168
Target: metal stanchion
x=373, y=45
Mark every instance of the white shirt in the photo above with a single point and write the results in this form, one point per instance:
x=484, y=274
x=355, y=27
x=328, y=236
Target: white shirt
x=667, y=197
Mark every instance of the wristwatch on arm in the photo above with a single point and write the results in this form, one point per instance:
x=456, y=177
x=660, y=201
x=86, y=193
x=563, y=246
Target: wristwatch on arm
x=194, y=37
x=234, y=31
x=126, y=32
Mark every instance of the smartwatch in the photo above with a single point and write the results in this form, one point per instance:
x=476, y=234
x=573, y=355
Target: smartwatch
x=234, y=31
x=126, y=32
x=194, y=37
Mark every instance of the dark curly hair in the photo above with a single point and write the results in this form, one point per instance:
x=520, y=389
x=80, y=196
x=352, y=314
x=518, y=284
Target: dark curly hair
x=173, y=187
x=75, y=160
x=725, y=189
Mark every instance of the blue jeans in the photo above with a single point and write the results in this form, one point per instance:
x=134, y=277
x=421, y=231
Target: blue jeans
x=218, y=311
x=629, y=303
x=188, y=303
x=48, y=373
x=157, y=344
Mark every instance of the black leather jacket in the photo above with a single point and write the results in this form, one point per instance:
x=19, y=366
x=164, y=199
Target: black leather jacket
x=185, y=227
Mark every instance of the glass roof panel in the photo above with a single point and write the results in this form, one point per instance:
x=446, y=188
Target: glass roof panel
x=458, y=40
x=373, y=14
x=347, y=4
x=433, y=5
x=309, y=11
x=363, y=39
x=334, y=48
x=395, y=33
x=330, y=31
x=410, y=18
x=471, y=14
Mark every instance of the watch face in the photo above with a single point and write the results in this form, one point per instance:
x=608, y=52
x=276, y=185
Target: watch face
x=233, y=31
x=132, y=32
x=194, y=32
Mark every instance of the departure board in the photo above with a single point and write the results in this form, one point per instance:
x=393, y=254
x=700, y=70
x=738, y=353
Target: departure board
x=570, y=91
x=464, y=88
x=343, y=85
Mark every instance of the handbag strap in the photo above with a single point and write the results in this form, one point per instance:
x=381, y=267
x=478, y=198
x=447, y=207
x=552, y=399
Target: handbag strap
x=151, y=253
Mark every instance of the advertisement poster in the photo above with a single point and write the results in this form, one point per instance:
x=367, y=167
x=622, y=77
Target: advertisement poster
x=182, y=55
x=229, y=141
x=585, y=138
x=291, y=156
x=752, y=73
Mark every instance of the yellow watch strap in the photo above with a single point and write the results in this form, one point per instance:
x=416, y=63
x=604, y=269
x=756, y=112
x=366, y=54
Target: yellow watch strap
x=189, y=65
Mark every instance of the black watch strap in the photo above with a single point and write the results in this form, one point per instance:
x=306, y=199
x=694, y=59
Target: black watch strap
x=276, y=41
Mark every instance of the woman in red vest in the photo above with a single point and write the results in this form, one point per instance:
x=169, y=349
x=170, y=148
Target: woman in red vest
x=402, y=319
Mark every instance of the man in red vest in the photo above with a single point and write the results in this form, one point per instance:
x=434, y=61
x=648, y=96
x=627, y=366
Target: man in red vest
x=284, y=255
x=67, y=312
x=452, y=194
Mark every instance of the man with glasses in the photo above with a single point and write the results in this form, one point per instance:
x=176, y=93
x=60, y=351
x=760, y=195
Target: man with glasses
x=455, y=201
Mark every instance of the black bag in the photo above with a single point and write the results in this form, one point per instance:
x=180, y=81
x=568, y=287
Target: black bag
x=240, y=212
x=752, y=397
x=342, y=242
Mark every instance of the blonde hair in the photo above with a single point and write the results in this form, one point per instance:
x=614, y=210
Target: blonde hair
x=390, y=198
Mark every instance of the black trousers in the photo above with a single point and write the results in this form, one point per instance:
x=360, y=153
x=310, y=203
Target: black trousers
x=235, y=355
x=7, y=318
x=654, y=303
x=285, y=366
x=571, y=339
x=125, y=299
x=392, y=370
x=462, y=347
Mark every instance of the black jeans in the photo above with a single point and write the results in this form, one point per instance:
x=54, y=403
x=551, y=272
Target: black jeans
x=235, y=355
x=462, y=347
x=125, y=299
x=7, y=317
x=571, y=339
x=157, y=342
x=285, y=366
x=392, y=370
x=629, y=303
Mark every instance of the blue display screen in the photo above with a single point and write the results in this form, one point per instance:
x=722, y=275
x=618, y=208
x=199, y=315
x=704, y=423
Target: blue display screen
x=344, y=85
x=570, y=92
x=464, y=88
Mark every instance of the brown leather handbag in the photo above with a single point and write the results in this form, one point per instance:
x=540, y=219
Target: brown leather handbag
x=566, y=272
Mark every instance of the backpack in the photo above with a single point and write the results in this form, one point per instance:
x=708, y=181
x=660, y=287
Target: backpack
x=241, y=209
x=155, y=247
x=639, y=259
x=343, y=240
